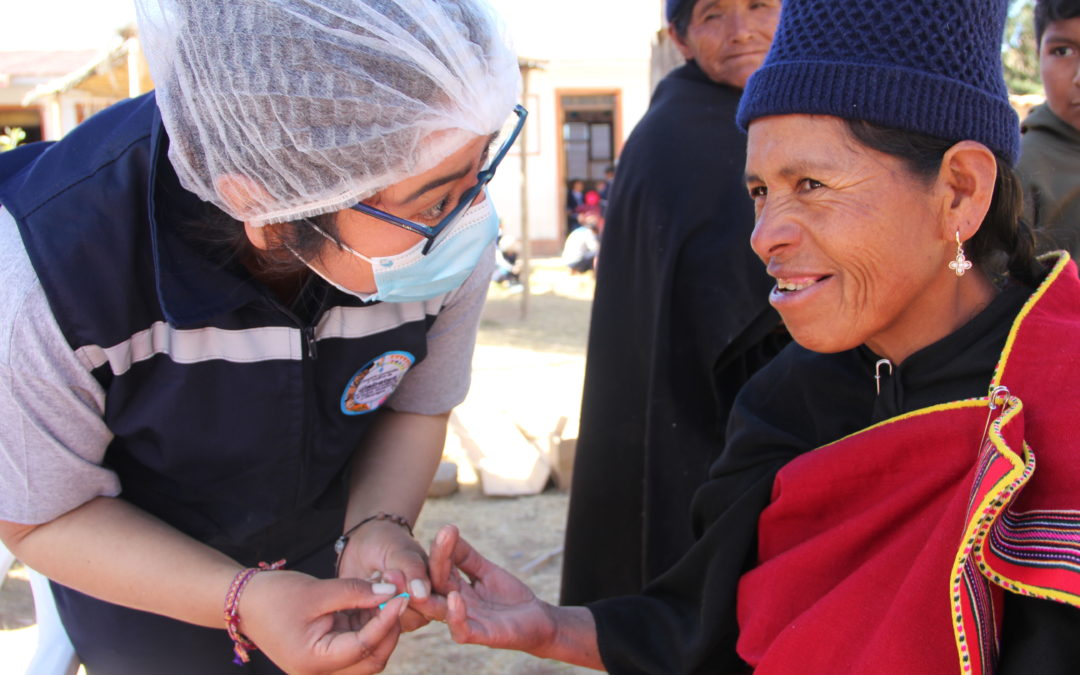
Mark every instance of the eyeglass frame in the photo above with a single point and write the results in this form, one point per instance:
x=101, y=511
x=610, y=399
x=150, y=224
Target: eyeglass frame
x=482, y=179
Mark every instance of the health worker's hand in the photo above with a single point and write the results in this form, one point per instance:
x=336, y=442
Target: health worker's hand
x=308, y=626
x=384, y=551
x=492, y=607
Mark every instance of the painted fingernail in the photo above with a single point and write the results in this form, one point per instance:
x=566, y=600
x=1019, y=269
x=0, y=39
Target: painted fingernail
x=383, y=589
x=419, y=590
x=399, y=595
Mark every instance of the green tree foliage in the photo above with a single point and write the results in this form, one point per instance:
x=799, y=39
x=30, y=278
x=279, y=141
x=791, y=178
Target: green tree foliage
x=11, y=138
x=1020, y=54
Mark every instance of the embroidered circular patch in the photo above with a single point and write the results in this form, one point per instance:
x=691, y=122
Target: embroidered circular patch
x=373, y=384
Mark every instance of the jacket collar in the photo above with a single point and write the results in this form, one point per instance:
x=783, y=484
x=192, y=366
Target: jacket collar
x=1041, y=117
x=192, y=288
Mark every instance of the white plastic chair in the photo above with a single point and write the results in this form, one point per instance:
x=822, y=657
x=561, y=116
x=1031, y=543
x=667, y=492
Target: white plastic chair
x=54, y=654
x=7, y=559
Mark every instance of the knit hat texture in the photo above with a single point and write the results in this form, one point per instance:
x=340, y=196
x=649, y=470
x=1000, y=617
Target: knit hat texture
x=928, y=66
x=673, y=6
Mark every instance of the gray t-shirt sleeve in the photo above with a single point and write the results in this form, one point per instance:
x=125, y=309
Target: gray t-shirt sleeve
x=441, y=380
x=52, y=435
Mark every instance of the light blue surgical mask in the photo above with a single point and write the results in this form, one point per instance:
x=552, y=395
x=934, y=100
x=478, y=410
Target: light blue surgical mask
x=412, y=275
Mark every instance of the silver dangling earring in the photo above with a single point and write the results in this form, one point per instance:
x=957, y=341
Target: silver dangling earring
x=961, y=264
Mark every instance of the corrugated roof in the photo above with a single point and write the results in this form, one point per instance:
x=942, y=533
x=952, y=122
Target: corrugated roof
x=44, y=63
x=101, y=62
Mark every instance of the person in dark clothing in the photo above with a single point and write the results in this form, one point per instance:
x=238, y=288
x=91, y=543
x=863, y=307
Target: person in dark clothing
x=604, y=188
x=575, y=197
x=899, y=492
x=680, y=318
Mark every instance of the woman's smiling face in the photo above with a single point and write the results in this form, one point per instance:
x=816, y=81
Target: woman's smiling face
x=855, y=241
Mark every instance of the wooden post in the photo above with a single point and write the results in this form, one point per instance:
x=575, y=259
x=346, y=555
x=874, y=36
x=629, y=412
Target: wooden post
x=134, y=67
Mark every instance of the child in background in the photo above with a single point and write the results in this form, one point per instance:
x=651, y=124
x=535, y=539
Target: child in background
x=1050, y=147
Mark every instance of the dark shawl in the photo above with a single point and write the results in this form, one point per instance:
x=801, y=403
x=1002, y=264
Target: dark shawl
x=680, y=321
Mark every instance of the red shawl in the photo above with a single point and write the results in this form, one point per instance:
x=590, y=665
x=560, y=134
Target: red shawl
x=890, y=551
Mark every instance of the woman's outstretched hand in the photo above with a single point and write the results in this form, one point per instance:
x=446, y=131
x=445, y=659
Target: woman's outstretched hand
x=490, y=606
x=308, y=625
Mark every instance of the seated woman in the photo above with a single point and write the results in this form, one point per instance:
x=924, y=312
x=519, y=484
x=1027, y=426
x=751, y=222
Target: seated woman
x=900, y=491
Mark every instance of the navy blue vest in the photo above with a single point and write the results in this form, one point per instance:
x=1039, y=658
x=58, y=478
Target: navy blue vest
x=247, y=450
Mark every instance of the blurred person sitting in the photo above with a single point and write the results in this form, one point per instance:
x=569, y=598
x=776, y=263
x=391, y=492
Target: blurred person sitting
x=582, y=246
x=593, y=210
x=1050, y=155
x=507, y=262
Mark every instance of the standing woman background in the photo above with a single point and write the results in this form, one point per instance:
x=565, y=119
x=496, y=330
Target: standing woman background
x=236, y=313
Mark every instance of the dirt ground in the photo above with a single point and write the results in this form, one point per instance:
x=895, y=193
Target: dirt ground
x=530, y=371
x=525, y=370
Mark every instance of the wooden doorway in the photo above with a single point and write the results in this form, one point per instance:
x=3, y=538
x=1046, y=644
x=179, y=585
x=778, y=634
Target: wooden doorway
x=589, y=134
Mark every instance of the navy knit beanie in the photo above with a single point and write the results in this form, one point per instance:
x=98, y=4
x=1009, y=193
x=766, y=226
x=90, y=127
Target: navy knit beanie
x=929, y=66
x=673, y=6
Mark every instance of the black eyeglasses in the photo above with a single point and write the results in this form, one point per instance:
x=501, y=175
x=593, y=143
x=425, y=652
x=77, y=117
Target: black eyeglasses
x=482, y=179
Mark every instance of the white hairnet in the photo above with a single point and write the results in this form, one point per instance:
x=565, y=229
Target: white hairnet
x=318, y=104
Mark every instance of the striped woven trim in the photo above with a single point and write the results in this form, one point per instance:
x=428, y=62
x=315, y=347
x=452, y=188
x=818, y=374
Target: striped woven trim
x=1003, y=472
x=1049, y=539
